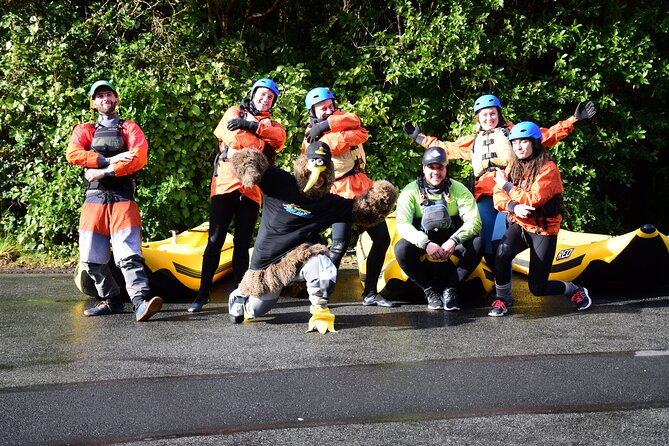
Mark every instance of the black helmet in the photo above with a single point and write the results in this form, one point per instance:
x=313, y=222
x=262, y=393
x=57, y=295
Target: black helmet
x=435, y=154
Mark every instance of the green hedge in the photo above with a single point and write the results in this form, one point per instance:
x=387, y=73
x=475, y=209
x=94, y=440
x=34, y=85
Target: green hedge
x=177, y=72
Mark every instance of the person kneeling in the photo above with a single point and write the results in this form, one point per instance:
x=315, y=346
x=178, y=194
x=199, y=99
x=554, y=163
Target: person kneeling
x=296, y=209
x=530, y=192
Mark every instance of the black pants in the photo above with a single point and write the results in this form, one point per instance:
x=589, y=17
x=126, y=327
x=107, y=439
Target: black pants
x=223, y=209
x=438, y=275
x=542, y=251
x=341, y=237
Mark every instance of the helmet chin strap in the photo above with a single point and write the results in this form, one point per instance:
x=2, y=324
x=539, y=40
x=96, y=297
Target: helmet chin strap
x=248, y=105
x=254, y=111
x=314, y=120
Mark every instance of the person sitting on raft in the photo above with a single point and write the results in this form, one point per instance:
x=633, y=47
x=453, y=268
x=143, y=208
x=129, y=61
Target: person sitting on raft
x=437, y=218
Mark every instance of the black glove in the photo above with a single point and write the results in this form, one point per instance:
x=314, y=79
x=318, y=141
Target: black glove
x=317, y=130
x=585, y=111
x=245, y=105
x=242, y=124
x=411, y=130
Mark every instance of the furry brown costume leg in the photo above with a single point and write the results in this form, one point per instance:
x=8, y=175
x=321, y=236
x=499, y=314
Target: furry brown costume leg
x=249, y=165
x=280, y=274
x=372, y=207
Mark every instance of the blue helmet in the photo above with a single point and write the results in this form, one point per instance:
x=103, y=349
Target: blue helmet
x=487, y=100
x=267, y=83
x=317, y=95
x=525, y=129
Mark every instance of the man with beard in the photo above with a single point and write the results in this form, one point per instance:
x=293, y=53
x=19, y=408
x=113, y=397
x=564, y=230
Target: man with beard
x=112, y=150
x=296, y=209
x=437, y=218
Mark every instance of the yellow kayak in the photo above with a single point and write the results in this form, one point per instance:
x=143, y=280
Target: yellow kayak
x=638, y=259
x=392, y=278
x=180, y=257
x=174, y=265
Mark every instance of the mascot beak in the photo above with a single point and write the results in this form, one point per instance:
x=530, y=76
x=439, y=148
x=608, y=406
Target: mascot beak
x=316, y=167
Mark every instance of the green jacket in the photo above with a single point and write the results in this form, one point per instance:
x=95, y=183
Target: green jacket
x=409, y=209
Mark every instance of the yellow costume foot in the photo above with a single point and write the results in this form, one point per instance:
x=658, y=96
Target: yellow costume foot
x=321, y=320
x=248, y=317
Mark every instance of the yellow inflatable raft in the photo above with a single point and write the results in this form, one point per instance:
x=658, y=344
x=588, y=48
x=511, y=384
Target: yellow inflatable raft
x=180, y=257
x=636, y=260
x=174, y=265
x=392, y=279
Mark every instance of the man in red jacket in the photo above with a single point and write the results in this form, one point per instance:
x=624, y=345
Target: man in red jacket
x=111, y=150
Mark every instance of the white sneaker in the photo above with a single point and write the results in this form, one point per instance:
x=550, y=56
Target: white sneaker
x=236, y=304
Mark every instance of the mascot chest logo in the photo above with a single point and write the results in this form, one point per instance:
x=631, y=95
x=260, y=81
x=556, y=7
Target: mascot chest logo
x=296, y=210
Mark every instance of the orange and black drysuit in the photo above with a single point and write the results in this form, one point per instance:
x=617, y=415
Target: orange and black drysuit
x=538, y=232
x=489, y=150
x=229, y=199
x=544, y=195
x=269, y=138
x=110, y=213
x=345, y=138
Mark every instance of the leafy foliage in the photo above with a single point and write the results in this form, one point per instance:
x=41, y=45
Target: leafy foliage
x=178, y=66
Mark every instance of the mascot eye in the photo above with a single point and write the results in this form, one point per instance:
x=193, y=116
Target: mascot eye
x=317, y=161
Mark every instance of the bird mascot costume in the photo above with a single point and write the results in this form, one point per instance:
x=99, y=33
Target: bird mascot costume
x=296, y=209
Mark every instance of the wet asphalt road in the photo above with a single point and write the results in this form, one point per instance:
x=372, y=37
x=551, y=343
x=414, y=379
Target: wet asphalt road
x=545, y=374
